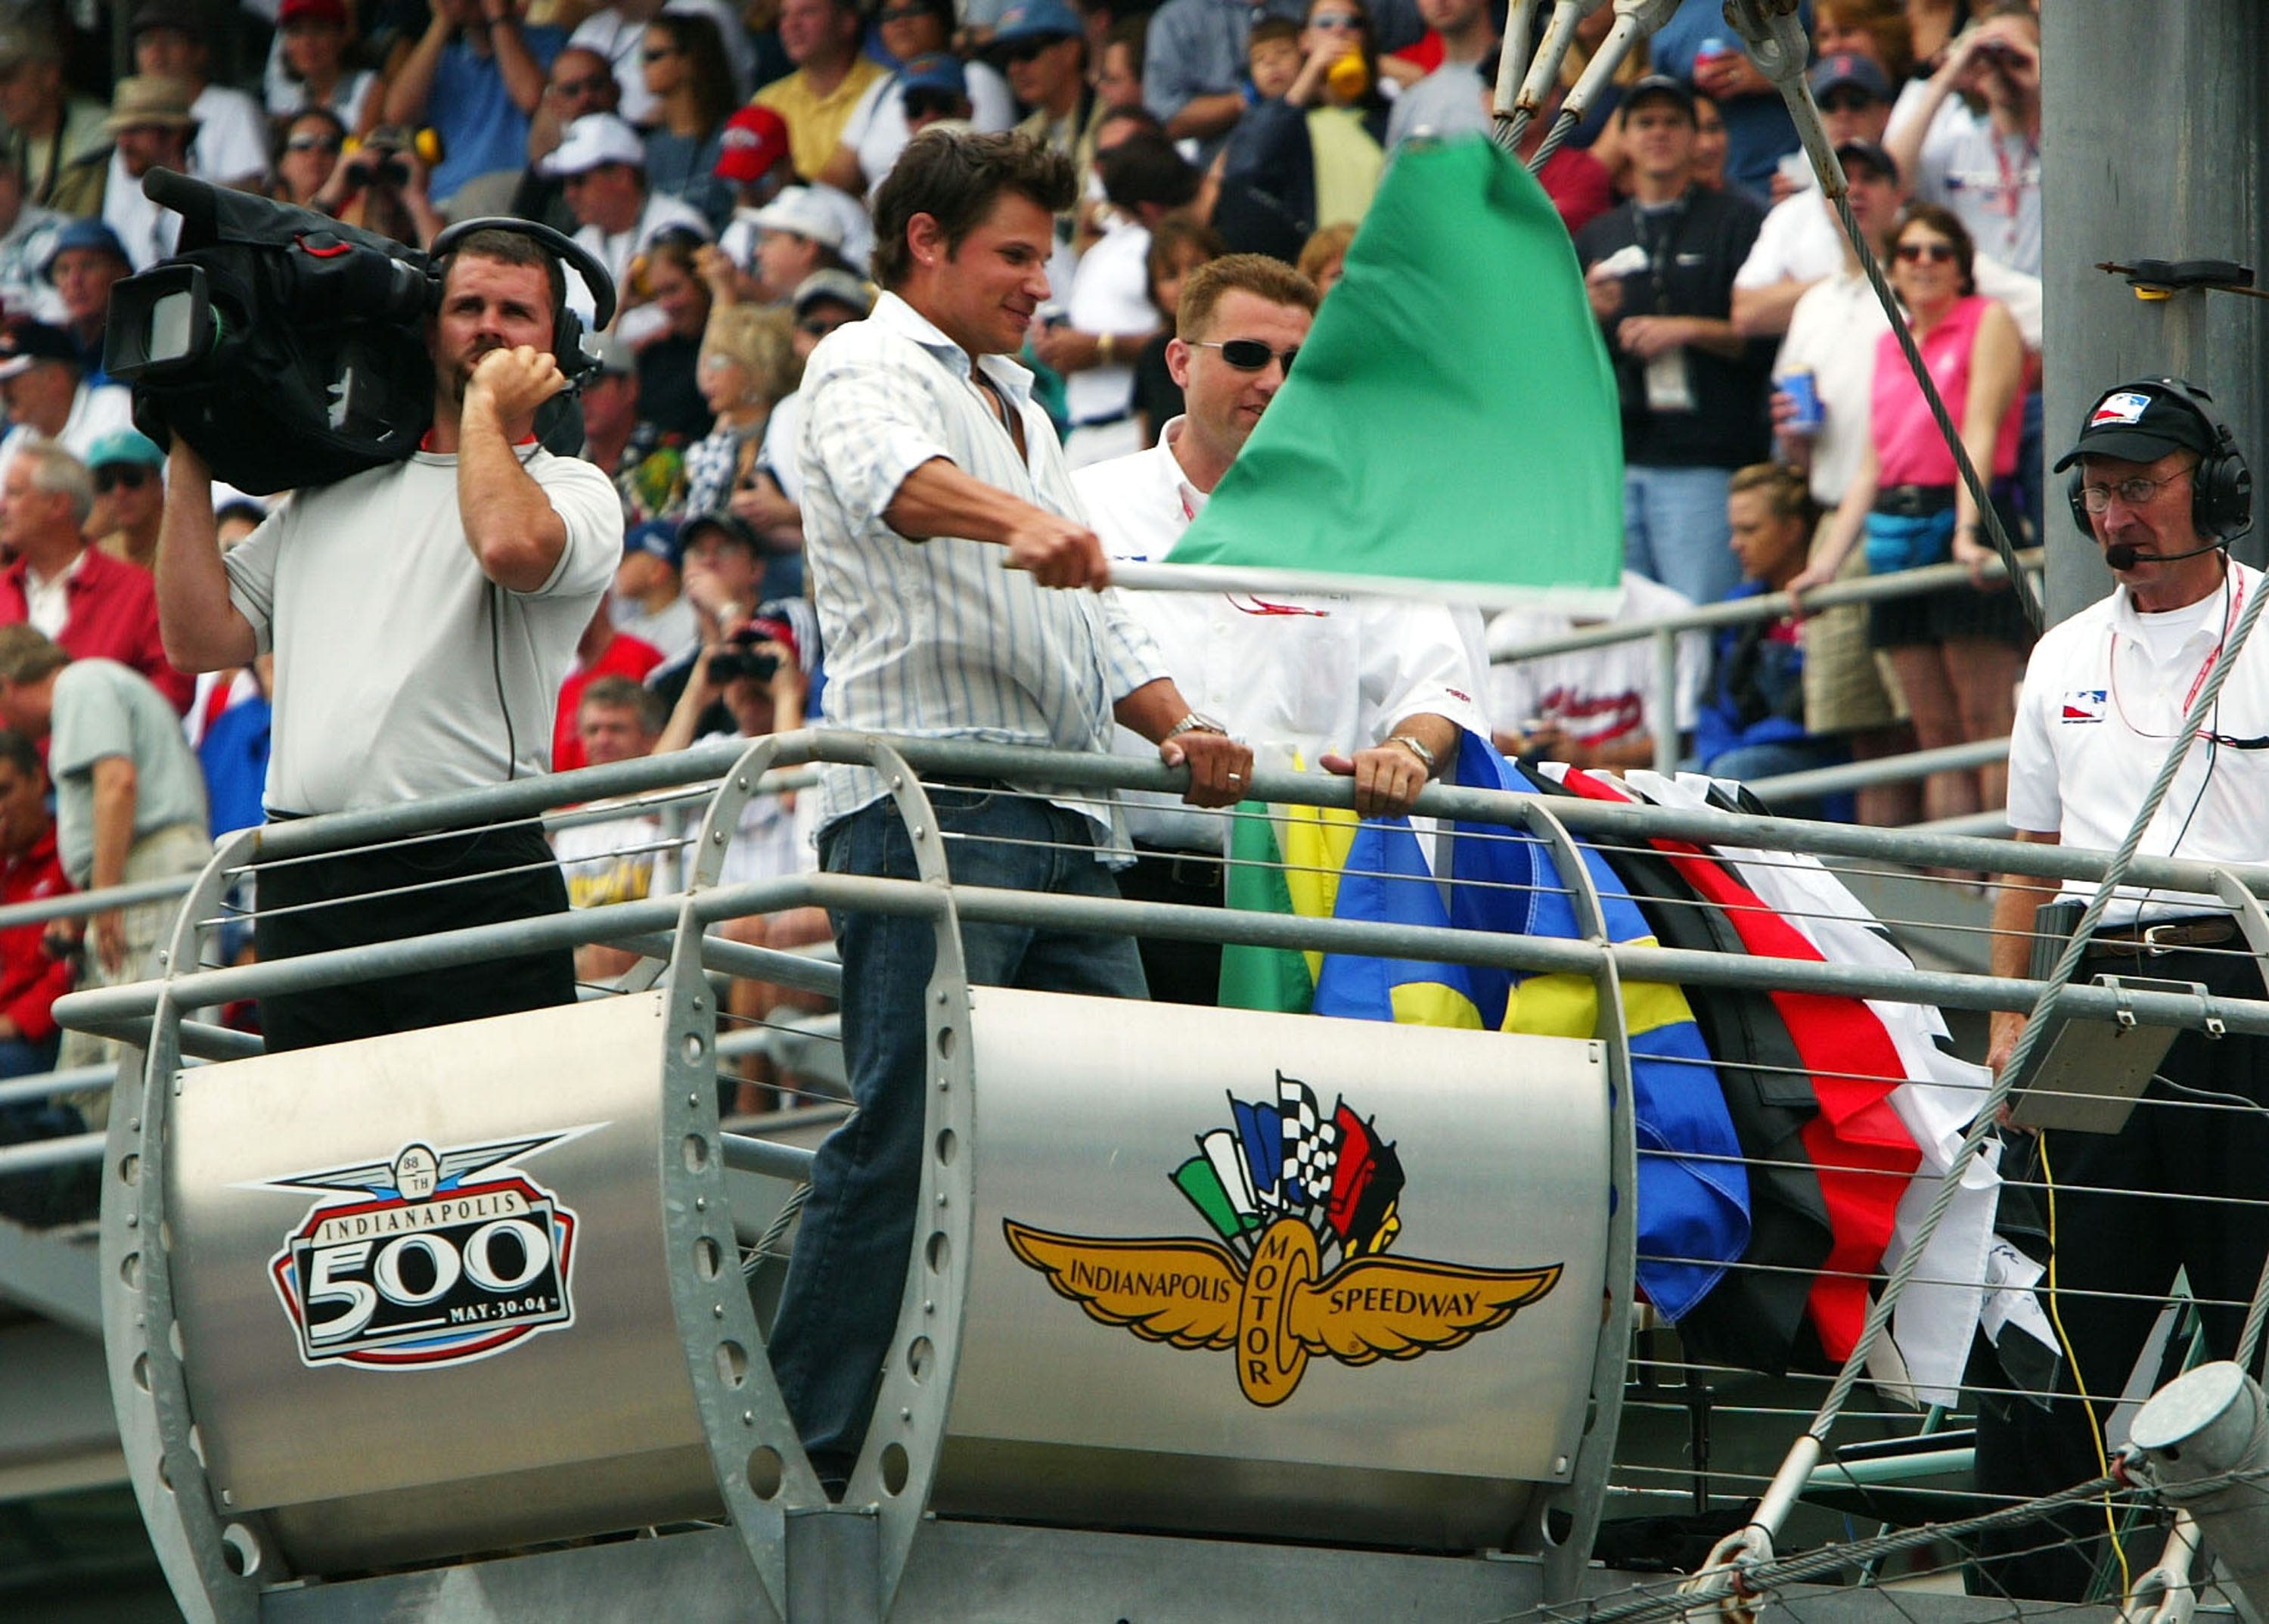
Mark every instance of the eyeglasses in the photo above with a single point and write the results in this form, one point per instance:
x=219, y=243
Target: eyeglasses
x=592, y=85
x=2134, y=492
x=1348, y=20
x=819, y=327
x=1937, y=253
x=111, y=477
x=1250, y=355
x=1025, y=50
x=923, y=102
x=658, y=53
x=311, y=143
x=715, y=363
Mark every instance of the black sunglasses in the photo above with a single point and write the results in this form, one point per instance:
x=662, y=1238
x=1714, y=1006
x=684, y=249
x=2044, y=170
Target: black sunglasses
x=1026, y=50
x=658, y=53
x=1250, y=355
x=128, y=475
x=313, y=144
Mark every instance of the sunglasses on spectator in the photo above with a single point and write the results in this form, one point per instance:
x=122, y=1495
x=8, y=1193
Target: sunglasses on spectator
x=1026, y=50
x=311, y=143
x=924, y=103
x=1336, y=19
x=1937, y=253
x=902, y=13
x=819, y=327
x=591, y=85
x=1848, y=101
x=133, y=477
x=1250, y=355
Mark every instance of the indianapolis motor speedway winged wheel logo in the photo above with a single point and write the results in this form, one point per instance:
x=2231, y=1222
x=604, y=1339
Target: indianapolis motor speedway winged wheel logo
x=430, y=1260
x=1305, y=1207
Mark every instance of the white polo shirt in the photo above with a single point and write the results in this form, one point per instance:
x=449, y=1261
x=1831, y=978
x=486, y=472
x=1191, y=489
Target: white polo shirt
x=2102, y=702
x=1291, y=675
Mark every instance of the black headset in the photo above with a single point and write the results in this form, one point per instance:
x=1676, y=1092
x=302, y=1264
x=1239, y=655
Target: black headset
x=2221, y=486
x=576, y=362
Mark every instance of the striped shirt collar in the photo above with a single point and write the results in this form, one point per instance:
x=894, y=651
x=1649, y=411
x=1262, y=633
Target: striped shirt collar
x=893, y=312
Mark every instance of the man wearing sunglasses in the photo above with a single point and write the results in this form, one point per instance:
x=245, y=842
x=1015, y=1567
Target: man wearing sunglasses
x=129, y=495
x=1373, y=690
x=2159, y=486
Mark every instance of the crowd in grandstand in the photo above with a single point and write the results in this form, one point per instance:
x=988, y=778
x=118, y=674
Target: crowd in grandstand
x=722, y=162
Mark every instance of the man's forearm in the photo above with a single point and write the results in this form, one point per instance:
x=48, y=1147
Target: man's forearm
x=516, y=65
x=411, y=87
x=1203, y=117
x=1438, y=734
x=937, y=499
x=1152, y=710
x=510, y=524
x=200, y=627
x=114, y=821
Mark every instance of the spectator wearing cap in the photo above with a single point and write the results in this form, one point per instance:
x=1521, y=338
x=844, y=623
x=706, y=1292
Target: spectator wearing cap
x=129, y=801
x=919, y=36
x=128, y=472
x=722, y=564
x=150, y=125
x=1697, y=47
x=1193, y=64
x=748, y=364
x=84, y=261
x=92, y=605
x=603, y=650
x=649, y=600
x=617, y=35
x=602, y=163
x=1660, y=272
x=27, y=237
x=231, y=147
x=579, y=82
x=798, y=233
x=476, y=76
x=47, y=395
x=49, y=128
x=1042, y=48
x=311, y=65
x=753, y=161
x=821, y=38
x=773, y=502
x=646, y=464
x=687, y=73
x=1800, y=233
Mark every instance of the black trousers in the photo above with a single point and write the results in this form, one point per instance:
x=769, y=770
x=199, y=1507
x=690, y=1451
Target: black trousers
x=482, y=878
x=2179, y=1186
x=1179, y=972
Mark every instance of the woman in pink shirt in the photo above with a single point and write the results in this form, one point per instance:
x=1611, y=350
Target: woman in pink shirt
x=1959, y=652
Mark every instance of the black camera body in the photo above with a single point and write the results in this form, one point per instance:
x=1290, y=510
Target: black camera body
x=741, y=658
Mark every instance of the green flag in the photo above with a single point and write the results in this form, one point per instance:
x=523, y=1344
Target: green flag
x=1454, y=414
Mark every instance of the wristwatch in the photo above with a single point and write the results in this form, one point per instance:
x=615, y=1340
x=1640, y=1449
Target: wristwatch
x=1196, y=722
x=1418, y=747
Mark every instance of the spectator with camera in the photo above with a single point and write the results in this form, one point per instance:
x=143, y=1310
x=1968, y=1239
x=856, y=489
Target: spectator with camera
x=383, y=185
x=722, y=565
x=423, y=615
x=1988, y=170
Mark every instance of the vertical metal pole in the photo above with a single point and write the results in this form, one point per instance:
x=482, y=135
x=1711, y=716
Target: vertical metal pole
x=2144, y=174
x=1665, y=700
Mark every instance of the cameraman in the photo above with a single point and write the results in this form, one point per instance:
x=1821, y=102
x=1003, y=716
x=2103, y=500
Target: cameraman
x=421, y=615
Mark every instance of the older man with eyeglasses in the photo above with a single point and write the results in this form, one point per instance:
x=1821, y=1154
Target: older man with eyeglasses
x=1372, y=690
x=2160, y=487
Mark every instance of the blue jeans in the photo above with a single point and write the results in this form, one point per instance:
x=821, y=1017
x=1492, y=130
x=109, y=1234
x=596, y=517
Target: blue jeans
x=840, y=1302
x=1746, y=763
x=1675, y=530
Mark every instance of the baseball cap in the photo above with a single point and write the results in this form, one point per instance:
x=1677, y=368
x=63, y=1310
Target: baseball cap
x=1869, y=153
x=1849, y=68
x=1035, y=19
x=1659, y=84
x=23, y=341
x=657, y=537
x=593, y=140
x=84, y=234
x=933, y=70
x=167, y=14
x=311, y=10
x=754, y=139
x=801, y=209
x=772, y=622
x=125, y=445
x=732, y=526
x=839, y=285
x=2141, y=422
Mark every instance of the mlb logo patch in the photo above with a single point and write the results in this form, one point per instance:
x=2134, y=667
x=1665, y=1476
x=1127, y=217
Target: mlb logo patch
x=2126, y=406
x=2084, y=704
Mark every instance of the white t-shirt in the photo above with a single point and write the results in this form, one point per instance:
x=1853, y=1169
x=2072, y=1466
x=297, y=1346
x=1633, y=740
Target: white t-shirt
x=777, y=455
x=878, y=132
x=147, y=232
x=402, y=671
x=231, y=142
x=2102, y=705
x=1993, y=183
x=94, y=413
x=1110, y=293
x=1832, y=335
x=1595, y=695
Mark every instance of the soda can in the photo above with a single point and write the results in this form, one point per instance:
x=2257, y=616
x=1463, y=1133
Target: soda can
x=1805, y=391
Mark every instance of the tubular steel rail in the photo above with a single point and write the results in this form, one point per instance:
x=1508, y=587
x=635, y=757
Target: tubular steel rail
x=1670, y=1431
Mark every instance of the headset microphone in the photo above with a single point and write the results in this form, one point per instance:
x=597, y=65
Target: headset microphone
x=2125, y=555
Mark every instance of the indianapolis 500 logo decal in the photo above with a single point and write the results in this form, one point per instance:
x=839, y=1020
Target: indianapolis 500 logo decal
x=431, y=1260
x=1305, y=1206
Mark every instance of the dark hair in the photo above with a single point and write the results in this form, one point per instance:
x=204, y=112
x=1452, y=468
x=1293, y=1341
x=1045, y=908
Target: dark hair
x=1947, y=224
x=515, y=248
x=1372, y=97
x=1884, y=21
x=1167, y=239
x=1260, y=275
x=1271, y=28
x=1134, y=33
x=940, y=10
x=20, y=753
x=956, y=178
x=282, y=128
x=1141, y=118
x=698, y=41
x=1145, y=168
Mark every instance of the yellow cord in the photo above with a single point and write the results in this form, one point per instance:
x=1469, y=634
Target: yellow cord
x=2094, y=1428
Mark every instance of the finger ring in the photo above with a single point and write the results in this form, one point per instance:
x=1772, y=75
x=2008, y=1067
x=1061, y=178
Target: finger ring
x=1236, y=778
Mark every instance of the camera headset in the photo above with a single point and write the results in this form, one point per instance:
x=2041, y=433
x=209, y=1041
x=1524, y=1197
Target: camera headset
x=2221, y=485
x=576, y=362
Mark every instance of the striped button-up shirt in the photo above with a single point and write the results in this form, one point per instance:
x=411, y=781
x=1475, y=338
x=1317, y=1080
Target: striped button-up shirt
x=940, y=638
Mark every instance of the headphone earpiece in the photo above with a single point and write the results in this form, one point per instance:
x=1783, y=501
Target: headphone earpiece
x=576, y=362
x=2221, y=485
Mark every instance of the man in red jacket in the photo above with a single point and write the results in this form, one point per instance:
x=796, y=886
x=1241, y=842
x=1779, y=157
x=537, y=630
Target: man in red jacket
x=30, y=981
x=91, y=604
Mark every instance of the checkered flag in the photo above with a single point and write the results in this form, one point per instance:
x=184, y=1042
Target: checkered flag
x=1311, y=1141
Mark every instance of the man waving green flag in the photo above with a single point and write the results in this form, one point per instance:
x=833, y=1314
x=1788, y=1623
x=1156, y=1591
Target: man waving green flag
x=1452, y=416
